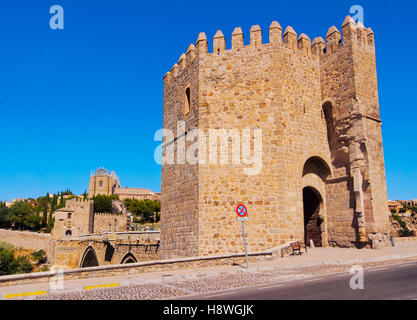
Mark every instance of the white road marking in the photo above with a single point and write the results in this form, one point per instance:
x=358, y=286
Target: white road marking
x=315, y=280
x=342, y=275
x=220, y=294
x=270, y=286
x=406, y=265
x=376, y=269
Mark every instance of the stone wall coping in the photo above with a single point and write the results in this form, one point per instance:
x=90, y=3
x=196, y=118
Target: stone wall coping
x=103, y=234
x=44, y=235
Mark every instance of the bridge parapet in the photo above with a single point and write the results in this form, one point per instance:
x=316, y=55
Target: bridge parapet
x=135, y=235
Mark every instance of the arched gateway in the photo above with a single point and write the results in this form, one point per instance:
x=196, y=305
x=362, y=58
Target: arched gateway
x=315, y=174
x=312, y=220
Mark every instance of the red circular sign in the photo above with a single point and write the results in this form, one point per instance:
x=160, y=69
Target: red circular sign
x=241, y=211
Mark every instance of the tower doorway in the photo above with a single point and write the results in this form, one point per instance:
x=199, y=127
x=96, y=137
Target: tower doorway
x=312, y=220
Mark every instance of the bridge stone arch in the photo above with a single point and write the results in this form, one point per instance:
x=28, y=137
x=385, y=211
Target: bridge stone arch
x=89, y=258
x=129, y=258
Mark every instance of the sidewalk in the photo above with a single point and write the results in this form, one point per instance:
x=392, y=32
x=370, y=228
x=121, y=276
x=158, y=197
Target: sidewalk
x=315, y=257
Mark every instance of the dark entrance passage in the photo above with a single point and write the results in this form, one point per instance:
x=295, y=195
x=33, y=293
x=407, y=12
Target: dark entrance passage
x=89, y=259
x=312, y=220
x=129, y=258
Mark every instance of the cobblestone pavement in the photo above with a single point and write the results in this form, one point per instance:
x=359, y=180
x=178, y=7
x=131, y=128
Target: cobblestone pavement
x=176, y=289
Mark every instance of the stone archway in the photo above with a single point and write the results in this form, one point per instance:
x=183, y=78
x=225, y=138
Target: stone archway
x=316, y=173
x=313, y=221
x=129, y=258
x=89, y=258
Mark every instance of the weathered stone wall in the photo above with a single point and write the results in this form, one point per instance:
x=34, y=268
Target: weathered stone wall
x=179, y=189
x=30, y=240
x=106, y=222
x=319, y=115
x=277, y=89
x=358, y=196
x=75, y=219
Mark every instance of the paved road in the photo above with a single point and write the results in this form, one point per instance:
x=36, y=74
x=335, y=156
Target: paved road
x=382, y=280
x=397, y=282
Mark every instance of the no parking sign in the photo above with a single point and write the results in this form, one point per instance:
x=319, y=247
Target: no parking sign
x=242, y=213
x=242, y=216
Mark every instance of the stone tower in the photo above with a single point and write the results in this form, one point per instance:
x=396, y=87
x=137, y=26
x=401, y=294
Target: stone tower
x=102, y=182
x=322, y=176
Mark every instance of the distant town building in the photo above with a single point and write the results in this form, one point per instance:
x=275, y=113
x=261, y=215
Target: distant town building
x=78, y=218
x=394, y=205
x=137, y=193
x=107, y=183
x=411, y=203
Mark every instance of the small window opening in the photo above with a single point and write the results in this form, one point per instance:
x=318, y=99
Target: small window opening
x=187, y=102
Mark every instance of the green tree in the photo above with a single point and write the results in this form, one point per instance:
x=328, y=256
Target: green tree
x=54, y=203
x=39, y=256
x=4, y=217
x=11, y=265
x=143, y=209
x=103, y=203
x=20, y=215
x=61, y=201
x=7, y=262
x=51, y=220
x=45, y=216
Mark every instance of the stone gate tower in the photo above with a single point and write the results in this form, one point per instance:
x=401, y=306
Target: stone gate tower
x=322, y=178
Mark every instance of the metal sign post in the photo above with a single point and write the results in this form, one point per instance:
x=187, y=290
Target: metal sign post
x=244, y=243
x=242, y=217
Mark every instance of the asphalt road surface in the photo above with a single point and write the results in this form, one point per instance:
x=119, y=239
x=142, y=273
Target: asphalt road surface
x=398, y=282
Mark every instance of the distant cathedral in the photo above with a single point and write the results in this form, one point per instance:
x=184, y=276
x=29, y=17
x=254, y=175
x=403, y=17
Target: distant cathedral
x=107, y=183
x=103, y=182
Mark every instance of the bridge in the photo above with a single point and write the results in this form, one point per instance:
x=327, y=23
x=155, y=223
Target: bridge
x=107, y=248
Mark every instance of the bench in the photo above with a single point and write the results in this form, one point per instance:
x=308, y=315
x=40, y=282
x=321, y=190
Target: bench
x=296, y=248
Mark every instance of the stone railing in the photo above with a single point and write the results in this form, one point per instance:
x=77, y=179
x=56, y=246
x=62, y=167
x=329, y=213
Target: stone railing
x=154, y=235
x=141, y=267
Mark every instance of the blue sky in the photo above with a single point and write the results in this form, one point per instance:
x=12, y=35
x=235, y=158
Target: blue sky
x=91, y=95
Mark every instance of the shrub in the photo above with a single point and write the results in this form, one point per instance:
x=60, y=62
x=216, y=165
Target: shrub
x=39, y=256
x=23, y=265
x=405, y=233
x=11, y=265
x=6, y=246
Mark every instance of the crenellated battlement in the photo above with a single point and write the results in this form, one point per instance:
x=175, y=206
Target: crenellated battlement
x=312, y=108
x=79, y=204
x=107, y=214
x=76, y=201
x=302, y=44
